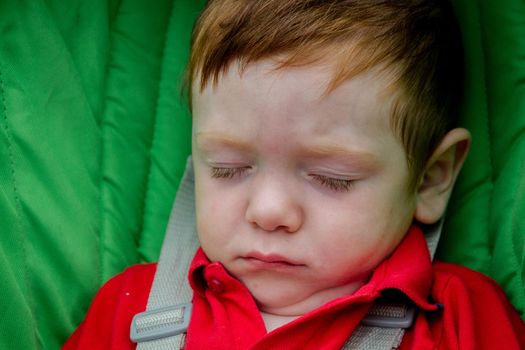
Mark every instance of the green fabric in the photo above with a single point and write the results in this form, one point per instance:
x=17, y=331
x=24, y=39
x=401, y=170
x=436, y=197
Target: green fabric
x=94, y=137
x=94, y=134
x=485, y=227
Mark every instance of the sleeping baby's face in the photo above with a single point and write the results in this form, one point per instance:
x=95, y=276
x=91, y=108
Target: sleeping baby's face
x=299, y=194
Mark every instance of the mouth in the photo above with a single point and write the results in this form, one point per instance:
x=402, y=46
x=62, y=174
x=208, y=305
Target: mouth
x=270, y=261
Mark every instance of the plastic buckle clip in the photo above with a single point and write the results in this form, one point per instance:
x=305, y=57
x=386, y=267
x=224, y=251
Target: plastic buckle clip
x=390, y=316
x=160, y=323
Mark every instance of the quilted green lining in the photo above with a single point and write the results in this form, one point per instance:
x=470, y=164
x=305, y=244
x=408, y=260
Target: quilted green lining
x=486, y=218
x=93, y=140
x=132, y=89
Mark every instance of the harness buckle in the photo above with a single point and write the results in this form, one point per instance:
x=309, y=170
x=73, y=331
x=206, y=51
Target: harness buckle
x=390, y=315
x=160, y=323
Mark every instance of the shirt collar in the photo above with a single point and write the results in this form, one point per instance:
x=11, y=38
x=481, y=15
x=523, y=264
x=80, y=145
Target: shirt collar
x=408, y=269
x=196, y=271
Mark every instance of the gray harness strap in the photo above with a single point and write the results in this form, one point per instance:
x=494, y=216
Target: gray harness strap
x=164, y=323
x=383, y=328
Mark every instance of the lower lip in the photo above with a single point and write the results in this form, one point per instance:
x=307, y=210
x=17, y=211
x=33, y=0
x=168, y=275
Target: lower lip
x=270, y=265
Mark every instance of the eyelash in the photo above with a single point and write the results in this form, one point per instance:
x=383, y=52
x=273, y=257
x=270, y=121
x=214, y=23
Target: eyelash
x=337, y=185
x=227, y=173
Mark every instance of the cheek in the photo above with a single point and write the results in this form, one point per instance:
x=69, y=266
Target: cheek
x=400, y=210
x=368, y=228
x=208, y=213
x=348, y=259
x=388, y=202
x=218, y=214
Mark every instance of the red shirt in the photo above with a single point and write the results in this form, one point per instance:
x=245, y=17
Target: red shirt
x=474, y=312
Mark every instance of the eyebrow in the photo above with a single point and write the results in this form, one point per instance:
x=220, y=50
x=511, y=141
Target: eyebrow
x=323, y=151
x=208, y=140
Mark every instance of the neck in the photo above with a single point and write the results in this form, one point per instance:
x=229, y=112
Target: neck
x=272, y=321
x=278, y=314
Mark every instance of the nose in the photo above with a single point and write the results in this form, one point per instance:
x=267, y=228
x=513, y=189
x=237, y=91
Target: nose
x=273, y=206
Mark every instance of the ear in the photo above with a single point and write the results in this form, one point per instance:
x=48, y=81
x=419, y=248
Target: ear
x=440, y=175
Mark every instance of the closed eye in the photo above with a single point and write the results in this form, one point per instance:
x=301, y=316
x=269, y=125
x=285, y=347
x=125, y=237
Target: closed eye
x=227, y=173
x=334, y=184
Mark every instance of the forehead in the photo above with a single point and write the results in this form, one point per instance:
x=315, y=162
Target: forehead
x=264, y=89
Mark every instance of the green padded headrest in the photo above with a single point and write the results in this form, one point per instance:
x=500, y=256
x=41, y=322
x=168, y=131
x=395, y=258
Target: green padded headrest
x=94, y=136
x=485, y=223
